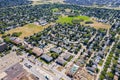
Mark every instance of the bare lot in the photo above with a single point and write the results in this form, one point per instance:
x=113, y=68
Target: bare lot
x=28, y=30
x=46, y=1
x=98, y=25
x=8, y=60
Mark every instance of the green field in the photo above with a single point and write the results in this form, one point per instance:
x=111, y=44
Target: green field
x=66, y=19
x=55, y=10
x=82, y=20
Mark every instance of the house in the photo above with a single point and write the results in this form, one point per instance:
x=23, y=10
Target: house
x=91, y=69
x=97, y=59
x=2, y=75
x=116, y=77
x=43, y=22
x=46, y=58
x=3, y=46
x=16, y=72
x=57, y=13
x=118, y=66
x=117, y=73
x=16, y=40
x=67, y=47
x=37, y=51
x=67, y=56
x=1, y=40
x=80, y=62
x=101, y=54
x=56, y=50
x=27, y=46
x=118, y=61
x=60, y=62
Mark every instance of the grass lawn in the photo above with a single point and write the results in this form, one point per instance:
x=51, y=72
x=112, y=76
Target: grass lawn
x=85, y=18
x=27, y=30
x=95, y=24
x=66, y=19
x=55, y=10
x=100, y=63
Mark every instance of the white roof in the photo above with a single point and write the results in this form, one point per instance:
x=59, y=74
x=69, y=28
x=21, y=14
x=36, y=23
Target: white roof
x=2, y=75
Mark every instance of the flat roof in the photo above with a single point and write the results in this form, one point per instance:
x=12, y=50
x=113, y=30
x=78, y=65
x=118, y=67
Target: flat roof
x=56, y=50
x=74, y=68
x=2, y=75
x=14, y=71
x=37, y=51
x=46, y=57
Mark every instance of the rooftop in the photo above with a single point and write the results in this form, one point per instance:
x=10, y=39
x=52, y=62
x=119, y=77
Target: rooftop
x=56, y=50
x=61, y=61
x=46, y=58
x=2, y=44
x=73, y=70
x=2, y=75
x=16, y=40
x=67, y=56
x=37, y=51
x=15, y=72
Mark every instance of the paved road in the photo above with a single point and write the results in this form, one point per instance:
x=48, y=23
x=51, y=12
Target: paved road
x=72, y=61
x=92, y=37
x=32, y=70
x=106, y=58
x=42, y=71
x=45, y=70
x=38, y=71
x=105, y=61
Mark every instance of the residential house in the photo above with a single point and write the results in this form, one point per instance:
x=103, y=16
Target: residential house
x=67, y=56
x=91, y=70
x=56, y=50
x=116, y=77
x=16, y=40
x=43, y=22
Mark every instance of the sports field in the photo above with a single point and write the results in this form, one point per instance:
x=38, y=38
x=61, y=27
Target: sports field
x=95, y=24
x=66, y=19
